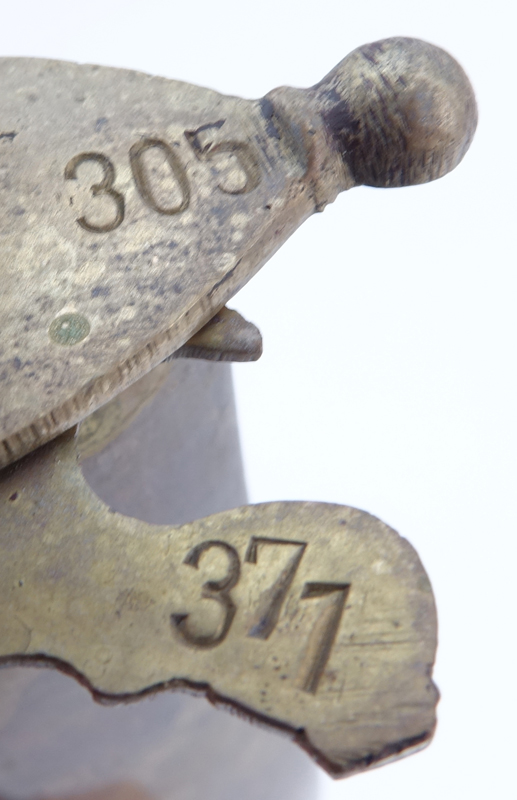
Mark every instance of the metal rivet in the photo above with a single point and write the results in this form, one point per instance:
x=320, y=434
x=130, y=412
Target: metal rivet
x=69, y=329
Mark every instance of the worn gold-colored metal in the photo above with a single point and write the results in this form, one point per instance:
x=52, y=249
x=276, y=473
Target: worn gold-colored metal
x=134, y=207
x=317, y=619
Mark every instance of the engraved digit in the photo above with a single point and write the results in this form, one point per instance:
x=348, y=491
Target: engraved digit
x=142, y=181
x=321, y=639
x=244, y=155
x=104, y=187
x=271, y=601
x=242, y=151
x=219, y=591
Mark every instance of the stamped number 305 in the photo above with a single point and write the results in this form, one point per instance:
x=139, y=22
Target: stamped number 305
x=271, y=601
x=241, y=152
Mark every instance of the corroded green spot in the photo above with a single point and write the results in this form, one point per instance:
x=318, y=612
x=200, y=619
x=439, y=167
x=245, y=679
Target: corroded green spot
x=69, y=329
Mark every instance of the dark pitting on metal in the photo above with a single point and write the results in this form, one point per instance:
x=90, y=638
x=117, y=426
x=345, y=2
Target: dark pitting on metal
x=148, y=203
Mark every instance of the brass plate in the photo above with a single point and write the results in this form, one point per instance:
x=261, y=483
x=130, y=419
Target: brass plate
x=133, y=207
x=316, y=619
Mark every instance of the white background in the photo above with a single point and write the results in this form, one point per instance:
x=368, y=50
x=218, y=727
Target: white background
x=388, y=377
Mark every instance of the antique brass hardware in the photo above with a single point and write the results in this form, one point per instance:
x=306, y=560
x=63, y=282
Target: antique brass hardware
x=135, y=207
x=317, y=619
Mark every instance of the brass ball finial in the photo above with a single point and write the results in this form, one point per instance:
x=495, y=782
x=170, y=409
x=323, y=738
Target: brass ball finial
x=401, y=111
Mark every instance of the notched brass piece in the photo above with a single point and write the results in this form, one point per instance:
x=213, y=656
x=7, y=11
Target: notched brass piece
x=316, y=619
x=133, y=207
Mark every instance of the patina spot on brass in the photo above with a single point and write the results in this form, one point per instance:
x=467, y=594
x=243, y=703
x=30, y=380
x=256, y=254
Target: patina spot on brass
x=68, y=329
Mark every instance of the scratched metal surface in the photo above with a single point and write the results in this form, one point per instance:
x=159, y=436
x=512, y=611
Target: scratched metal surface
x=132, y=208
x=103, y=283
x=314, y=618
x=178, y=459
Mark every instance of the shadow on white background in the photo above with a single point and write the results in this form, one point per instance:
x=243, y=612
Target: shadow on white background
x=388, y=376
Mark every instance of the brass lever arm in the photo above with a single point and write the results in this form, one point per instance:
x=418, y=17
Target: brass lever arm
x=316, y=619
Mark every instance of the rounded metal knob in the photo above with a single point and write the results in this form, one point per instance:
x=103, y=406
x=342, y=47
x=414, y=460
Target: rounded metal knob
x=400, y=110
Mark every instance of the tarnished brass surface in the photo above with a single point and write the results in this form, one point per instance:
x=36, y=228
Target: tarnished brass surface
x=132, y=207
x=179, y=460
x=317, y=619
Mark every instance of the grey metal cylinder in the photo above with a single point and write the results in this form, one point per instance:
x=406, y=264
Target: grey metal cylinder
x=178, y=459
